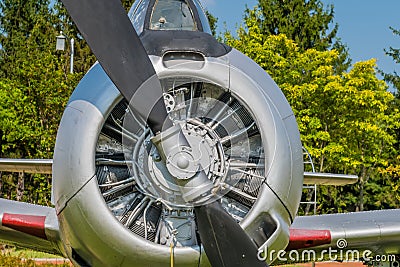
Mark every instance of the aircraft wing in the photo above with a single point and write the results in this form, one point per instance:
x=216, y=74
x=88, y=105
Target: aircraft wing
x=45, y=166
x=375, y=231
x=26, y=165
x=30, y=226
x=329, y=178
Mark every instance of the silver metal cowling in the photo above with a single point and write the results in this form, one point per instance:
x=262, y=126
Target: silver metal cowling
x=81, y=207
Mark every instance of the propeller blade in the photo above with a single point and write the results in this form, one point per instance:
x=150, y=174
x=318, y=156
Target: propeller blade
x=107, y=29
x=225, y=242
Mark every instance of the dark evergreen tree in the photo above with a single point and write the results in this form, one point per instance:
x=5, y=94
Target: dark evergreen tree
x=394, y=53
x=213, y=23
x=83, y=58
x=305, y=22
x=18, y=20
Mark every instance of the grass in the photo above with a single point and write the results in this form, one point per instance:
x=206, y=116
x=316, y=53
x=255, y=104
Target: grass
x=8, y=260
x=32, y=254
x=13, y=257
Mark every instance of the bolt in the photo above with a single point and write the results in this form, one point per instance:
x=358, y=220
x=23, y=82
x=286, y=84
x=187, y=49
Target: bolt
x=156, y=157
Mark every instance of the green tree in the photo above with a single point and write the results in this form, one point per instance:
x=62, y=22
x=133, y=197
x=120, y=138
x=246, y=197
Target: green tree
x=34, y=88
x=17, y=21
x=83, y=58
x=305, y=22
x=127, y=4
x=392, y=173
x=213, y=23
x=394, y=53
x=346, y=120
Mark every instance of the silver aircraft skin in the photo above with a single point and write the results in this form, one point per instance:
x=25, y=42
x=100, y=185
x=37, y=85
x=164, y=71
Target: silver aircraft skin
x=115, y=205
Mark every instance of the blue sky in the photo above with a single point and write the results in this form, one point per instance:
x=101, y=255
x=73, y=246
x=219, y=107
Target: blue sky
x=363, y=25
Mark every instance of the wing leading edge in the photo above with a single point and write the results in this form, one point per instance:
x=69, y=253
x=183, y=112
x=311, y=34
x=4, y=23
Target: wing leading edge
x=45, y=166
x=30, y=226
x=376, y=231
x=329, y=178
x=26, y=165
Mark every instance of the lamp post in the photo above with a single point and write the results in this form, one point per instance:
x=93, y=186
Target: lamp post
x=60, y=46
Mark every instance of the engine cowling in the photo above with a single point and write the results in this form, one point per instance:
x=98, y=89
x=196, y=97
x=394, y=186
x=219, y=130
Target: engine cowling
x=117, y=206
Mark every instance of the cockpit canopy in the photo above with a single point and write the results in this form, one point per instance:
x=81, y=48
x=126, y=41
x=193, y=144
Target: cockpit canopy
x=172, y=15
x=180, y=15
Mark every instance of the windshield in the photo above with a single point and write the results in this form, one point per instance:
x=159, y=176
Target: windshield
x=203, y=17
x=172, y=15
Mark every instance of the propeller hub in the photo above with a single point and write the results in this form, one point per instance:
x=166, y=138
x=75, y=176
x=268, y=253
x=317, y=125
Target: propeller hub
x=191, y=156
x=181, y=163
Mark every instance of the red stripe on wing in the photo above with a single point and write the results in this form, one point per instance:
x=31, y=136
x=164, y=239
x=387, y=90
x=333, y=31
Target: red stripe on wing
x=304, y=238
x=28, y=224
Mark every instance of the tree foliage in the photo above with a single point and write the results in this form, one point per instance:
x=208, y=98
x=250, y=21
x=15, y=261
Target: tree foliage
x=213, y=23
x=34, y=89
x=308, y=23
x=392, y=173
x=305, y=22
x=394, y=53
x=35, y=85
x=83, y=57
x=346, y=119
x=127, y=4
